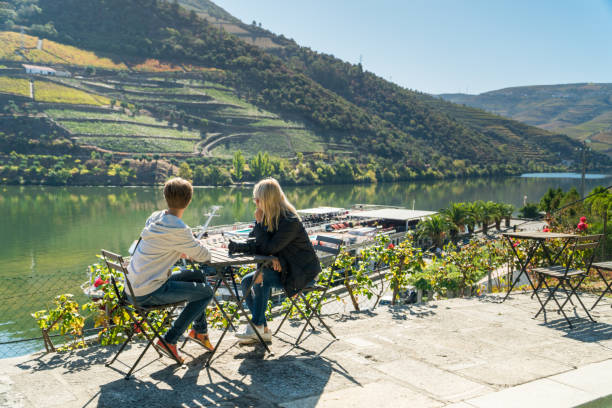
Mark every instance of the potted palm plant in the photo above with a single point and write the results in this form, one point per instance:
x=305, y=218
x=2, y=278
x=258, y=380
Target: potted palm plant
x=434, y=228
x=507, y=210
x=455, y=215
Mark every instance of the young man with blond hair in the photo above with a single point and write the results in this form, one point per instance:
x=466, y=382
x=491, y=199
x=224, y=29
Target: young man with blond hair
x=164, y=240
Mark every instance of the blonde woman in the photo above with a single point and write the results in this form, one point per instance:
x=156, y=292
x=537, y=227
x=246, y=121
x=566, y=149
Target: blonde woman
x=279, y=232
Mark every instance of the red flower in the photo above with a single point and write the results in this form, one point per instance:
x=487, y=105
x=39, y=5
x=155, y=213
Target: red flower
x=583, y=219
x=99, y=282
x=546, y=229
x=391, y=246
x=582, y=226
x=515, y=244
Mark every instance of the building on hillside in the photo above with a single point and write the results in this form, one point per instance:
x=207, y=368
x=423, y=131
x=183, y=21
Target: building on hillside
x=37, y=70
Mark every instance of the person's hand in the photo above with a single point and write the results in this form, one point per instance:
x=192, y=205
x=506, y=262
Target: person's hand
x=258, y=279
x=258, y=215
x=276, y=265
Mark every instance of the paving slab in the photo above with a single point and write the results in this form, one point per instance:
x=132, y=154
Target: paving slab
x=438, y=383
x=536, y=394
x=372, y=395
x=589, y=378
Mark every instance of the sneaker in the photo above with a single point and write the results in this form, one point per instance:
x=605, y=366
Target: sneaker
x=245, y=333
x=252, y=337
x=202, y=339
x=169, y=350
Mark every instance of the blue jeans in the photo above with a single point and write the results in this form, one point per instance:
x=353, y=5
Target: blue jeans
x=184, y=285
x=257, y=304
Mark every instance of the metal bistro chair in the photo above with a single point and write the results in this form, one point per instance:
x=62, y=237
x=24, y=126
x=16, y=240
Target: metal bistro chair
x=139, y=315
x=583, y=248
x=332, y=246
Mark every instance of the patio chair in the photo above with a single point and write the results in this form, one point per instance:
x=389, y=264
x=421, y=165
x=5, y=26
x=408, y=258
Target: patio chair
x=575, y=266
x=326, y=245
x=139, y=315
x=600, y=267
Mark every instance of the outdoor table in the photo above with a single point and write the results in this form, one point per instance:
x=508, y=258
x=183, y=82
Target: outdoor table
x=220, y=260
x=538, y=240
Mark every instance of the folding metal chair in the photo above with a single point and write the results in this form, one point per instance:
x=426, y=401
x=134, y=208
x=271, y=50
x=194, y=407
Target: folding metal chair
x=139, y=315
x=576, y=266
x=600, y=267
x=329, y=246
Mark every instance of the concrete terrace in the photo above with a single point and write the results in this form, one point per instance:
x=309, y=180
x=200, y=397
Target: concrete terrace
x=461, y=353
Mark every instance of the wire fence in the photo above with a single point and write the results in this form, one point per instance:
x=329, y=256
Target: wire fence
x=20, y=296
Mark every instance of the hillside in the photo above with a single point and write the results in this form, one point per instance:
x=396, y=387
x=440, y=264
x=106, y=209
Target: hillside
x=159, y=81
x=581, y=111
x=408, y=110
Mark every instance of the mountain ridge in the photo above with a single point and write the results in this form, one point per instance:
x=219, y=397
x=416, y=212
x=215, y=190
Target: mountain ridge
x=580, y=110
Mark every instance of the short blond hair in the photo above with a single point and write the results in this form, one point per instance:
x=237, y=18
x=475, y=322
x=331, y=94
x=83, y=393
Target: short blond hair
x=273, y=202
x=178, y=193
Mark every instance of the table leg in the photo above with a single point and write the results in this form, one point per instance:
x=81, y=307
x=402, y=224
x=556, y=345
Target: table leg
x=523, y=267
x=235, y=297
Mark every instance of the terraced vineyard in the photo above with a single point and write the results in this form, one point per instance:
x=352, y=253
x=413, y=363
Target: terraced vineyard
x=15, y=86
x=139, y=145
x=126, y=129
x=179, y=110
x=50, y=52
x=45, y=91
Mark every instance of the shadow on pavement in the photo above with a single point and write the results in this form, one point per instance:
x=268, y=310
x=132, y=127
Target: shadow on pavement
x=256, y=383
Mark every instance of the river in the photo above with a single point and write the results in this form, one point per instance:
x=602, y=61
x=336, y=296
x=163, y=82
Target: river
x=50, y=234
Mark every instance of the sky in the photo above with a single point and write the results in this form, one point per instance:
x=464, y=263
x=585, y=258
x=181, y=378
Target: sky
x=450, y=46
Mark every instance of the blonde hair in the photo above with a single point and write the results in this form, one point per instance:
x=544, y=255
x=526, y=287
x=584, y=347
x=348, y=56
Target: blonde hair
x=273, y=202
x=178, y=193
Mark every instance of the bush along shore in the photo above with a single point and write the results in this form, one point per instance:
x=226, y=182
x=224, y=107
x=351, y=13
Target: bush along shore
x=104, y=168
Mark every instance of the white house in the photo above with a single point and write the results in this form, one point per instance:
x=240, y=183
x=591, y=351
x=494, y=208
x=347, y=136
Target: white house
x=35, y=69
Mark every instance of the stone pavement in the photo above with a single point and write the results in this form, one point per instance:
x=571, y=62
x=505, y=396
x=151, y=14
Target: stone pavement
x=458, y=353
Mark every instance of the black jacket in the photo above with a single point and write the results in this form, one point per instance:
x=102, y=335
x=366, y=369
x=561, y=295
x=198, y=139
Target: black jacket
x=290, y=243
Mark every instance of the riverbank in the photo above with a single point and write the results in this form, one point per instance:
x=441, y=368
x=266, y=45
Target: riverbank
x=459, y=353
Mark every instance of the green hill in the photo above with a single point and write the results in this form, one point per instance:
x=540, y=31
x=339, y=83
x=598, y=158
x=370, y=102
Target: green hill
x=165, y=81
x=581, y=111
x=415, y=113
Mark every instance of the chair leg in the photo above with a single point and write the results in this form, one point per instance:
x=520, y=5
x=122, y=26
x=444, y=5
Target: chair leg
x=283, y=321
x=607, y=289
x=543, y=305
x=574, y=289
x=318, y=316
x=121, y=348
x=568, y=297
x=552, y=295
x=159, y=336
x=300, y=311
x=537, y=287
x=313, y=312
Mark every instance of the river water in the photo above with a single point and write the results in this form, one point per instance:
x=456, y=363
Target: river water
x=50, y=234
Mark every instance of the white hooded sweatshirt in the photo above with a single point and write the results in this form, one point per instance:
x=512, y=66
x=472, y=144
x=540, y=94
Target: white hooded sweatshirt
x=164, y=238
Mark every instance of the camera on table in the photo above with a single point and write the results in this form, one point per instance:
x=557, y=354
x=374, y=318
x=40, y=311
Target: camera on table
x=242, y=247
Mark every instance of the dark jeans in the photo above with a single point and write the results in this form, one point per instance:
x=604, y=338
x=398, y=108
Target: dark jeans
x=184, y=285
x=257, y=304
